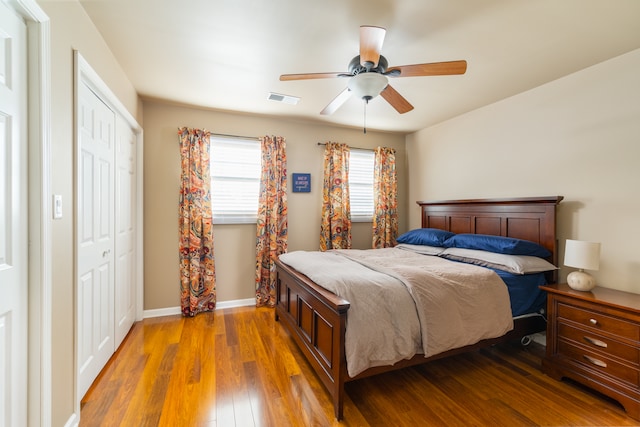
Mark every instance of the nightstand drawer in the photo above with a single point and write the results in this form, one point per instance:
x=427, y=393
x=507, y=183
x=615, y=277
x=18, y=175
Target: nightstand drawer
x=594, y=338
x=599, y=321
x=596, y=342
x=596, y=361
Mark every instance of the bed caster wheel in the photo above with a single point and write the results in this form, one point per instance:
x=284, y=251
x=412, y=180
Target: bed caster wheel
x=526, y=340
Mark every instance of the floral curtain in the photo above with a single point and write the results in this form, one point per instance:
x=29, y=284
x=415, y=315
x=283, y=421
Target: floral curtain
x=385, y=203
x=272, y=225
x=197, y=270
x=335, y=227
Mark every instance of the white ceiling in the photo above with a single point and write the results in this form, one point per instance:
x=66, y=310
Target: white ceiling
x=229, y=54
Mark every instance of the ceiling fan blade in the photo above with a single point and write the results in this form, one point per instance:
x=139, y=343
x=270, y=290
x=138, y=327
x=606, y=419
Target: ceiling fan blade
x=337, y=102
x=371, y=39
x=431, y=69
x=396, y=100
x=310, y=76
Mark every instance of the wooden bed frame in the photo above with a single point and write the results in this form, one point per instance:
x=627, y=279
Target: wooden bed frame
x=316, y=318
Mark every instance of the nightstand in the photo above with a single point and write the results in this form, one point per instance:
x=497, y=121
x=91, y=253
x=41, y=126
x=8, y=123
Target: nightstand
x=594, y=338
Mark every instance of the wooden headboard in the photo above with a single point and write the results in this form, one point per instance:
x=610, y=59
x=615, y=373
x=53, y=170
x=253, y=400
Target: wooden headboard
x=528, y=218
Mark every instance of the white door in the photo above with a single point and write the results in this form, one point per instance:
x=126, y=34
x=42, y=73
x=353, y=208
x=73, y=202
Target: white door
x=13, y=219
x=125, y=290
x=95, y=231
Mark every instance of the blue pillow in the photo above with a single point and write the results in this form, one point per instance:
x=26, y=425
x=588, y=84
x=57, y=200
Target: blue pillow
x=425, y=236
x=497, y=244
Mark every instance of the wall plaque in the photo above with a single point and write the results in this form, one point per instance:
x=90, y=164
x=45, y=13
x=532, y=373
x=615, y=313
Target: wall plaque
x=301, y=182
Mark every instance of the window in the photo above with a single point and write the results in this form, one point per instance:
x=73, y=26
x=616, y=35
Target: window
x=361, y=184
x=235, y=179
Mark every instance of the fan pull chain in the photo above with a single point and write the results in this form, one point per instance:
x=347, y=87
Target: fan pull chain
x=366, y=101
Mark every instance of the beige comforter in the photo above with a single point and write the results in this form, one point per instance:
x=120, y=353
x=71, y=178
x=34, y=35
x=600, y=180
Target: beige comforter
x=403, y=303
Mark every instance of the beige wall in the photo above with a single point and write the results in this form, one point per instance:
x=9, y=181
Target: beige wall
x=71, y=29
x=235, y=244
x=578, y=137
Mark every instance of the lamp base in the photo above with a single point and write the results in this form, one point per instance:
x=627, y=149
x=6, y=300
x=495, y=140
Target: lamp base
x=580, y=281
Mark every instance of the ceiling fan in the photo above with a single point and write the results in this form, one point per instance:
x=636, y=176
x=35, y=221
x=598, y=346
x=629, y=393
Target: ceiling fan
x=368, y=73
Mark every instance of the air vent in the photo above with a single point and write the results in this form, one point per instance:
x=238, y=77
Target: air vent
x=287, y=99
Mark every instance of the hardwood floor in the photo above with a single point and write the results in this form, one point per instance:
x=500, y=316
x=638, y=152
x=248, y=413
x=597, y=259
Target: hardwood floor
x=238, y=367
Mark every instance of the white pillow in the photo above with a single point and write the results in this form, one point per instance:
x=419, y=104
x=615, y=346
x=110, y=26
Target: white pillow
x=516, y=264
x=421, y=249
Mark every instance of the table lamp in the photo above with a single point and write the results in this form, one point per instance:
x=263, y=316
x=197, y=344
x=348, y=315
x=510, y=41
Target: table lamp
x=583, y=256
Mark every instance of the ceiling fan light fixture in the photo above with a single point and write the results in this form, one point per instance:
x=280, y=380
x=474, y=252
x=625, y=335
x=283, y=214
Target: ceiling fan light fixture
x=367, y=85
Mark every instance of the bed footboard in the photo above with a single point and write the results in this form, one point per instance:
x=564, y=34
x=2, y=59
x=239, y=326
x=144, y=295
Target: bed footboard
x=316, y=319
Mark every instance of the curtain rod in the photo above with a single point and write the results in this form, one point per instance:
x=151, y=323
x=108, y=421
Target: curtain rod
x=236, y=136
x=356, y=148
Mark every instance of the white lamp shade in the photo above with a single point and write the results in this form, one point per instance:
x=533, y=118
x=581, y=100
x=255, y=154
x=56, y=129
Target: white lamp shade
x=367, y=84
x=583, y=255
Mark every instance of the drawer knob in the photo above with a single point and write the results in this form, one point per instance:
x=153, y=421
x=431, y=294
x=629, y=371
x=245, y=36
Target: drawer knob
x=595, y=361
x=593, y=321
x=595, y=342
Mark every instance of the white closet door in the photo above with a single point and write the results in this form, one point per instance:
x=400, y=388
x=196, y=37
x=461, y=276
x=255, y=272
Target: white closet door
x=125, y=290
x=95, y=234
x=13, y=219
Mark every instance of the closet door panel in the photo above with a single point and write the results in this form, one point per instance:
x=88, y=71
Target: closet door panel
x=95, y=245
x=125, y=290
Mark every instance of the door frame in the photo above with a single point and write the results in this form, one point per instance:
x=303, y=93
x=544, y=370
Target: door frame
x=84, y=73
x=39, y=215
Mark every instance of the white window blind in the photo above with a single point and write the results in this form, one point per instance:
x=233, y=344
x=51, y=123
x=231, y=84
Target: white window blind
x=235, y=179
x=361, y=184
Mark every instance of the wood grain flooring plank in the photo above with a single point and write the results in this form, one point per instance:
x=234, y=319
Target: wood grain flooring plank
x=225, y=415
x=159, y=333
x=231, y=333
x=182, y=401
x=517, y=394
x=261, y=408
x=207, y=398
x=268, y=387
x=156, y=399
x=126, y=391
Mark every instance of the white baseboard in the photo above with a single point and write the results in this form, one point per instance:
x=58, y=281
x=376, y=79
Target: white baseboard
x=236, y=303
x=159, y=312
x=72, y=421
x=171, y=311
